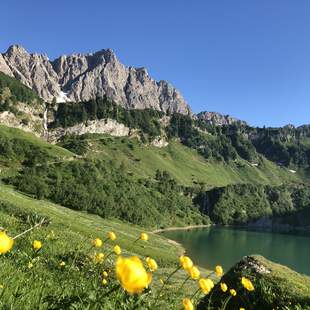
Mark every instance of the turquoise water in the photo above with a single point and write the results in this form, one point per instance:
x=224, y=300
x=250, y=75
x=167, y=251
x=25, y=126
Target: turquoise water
x=220, y=245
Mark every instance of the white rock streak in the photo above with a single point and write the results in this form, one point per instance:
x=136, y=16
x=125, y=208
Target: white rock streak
x=62, y=97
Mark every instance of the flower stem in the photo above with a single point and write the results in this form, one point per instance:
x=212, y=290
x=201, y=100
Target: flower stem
x=30, y=229
x=183, y=284
x=226, y=302
x=193, y=296
x=161, y=289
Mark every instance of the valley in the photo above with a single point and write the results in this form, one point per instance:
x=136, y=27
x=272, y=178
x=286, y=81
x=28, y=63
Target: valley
x=90, y=146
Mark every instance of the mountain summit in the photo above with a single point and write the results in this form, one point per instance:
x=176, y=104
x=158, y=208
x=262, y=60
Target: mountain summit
x=80, y=77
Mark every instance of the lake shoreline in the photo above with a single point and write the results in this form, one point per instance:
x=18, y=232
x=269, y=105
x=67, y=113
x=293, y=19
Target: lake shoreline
x=157, y=231
x=178, y=244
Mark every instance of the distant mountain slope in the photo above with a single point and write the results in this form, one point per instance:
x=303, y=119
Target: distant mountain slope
x=219, y=119
x=20, y=106
x=83, y=77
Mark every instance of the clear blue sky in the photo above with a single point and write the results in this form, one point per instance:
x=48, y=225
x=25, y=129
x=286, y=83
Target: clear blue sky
x=247, y=58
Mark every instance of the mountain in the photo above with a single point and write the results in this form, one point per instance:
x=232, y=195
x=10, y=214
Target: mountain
x=81, y=77
x=121, y=151
x=195, y=153
x=218, y=119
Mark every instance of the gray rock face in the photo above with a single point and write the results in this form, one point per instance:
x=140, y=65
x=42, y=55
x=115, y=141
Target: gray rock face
x=82, y=77
x=33, y=70
x=218, y=119
x=4, y=67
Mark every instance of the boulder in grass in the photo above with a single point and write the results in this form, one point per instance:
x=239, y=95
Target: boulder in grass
x=276, y=287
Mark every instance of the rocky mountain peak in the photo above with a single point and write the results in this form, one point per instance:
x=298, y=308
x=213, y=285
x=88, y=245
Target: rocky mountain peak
x=219, y=119
x=80, y=77
x=16, y=50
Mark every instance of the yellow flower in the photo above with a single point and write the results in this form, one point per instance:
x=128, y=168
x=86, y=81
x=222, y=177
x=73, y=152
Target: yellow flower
x=132, y=275
x=144, y=237
x=6, y=243
x=104, y=282
x=97, y=243
x=1, y=286
x=62, y=264
x=247, y=284
x=224, y=287
x=194, y=273
x=111, y=235
x=37, y=245
x=30, y=265
x=117, y=250
x=233, y=292
x=98, y=258
x=151, y=263
x=161, y=281
x=219, y=270
x=105, y=274
x=241, y=309
x=188, y=305
x=186, y=262
x=206, y=285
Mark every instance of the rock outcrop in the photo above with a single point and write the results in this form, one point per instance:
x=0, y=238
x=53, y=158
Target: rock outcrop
x=104, y=126
x=275, y=287
x=218, y=119
x=82, y=77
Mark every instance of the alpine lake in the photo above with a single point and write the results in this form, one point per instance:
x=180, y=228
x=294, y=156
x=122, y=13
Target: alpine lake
x=226, y=246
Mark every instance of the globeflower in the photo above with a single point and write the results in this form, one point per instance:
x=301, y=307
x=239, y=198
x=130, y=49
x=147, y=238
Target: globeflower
x=194, y=273
x=117, y=250
x=144, y=237
x=105, y=274
x=97, y=243
x=206, y=285
x=186, y=262
x=233, y=292
x=132, y=275
x=151, y=263
x=224, y=287
x=36, y=245
x=247, y=284
x=188, y=305
x=62, y=264
x=218, y=271
x=104, y=282
x=6, y=243
x=111, y=235
x=98, y=258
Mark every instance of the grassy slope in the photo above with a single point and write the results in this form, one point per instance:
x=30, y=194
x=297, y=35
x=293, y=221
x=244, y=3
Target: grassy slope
x=184, y=164
x=90, y=226
x=9, y=166
x=53, y=150
x=77, y=285
x=74, y=230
